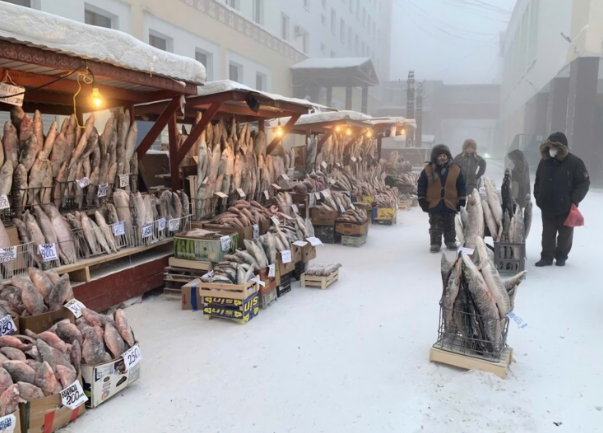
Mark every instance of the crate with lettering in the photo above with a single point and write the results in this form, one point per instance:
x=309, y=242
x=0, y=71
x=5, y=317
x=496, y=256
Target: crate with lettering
x=284, y=285
x=238, y=302
x=11, y=423
x=207, y=247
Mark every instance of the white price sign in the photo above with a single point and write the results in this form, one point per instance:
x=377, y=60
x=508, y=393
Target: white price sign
x=102, y=190
x=284, y=176
x=221, y=194
x=225, y=241
x=75, y=307
x=7, y=325
x=48, y=252
x=275, y=221
x=12, y=95
x=286, y=256
x=317, y=195
x=83, y=182
x=73, y=396
x=8, y=424
x=256, y=231
x=257, y=280
x=119, y=228
x=161, y=223
x=325, y=193
x=314, y=241
x=8, y=254
x=241, y=192
x=468, y=251
x=267, y=195
x=132, y=357
x=4, y=204
x=353, y=158
x=324, y=164
x=123, y=180
x=271, y=270
x=147, y=231
x=174, y=224
x=208, y=277
x=295, y=209
x=342, y=208
x=300, y=243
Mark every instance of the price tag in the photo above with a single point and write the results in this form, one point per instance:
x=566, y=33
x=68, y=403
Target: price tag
x=342, y=208
x=241, y=192
x=8, y=254
x=352, y=206
x=208, y=277
x=314, y=241
x=353, y=158
x=7, y=325
x=12, y=95
x=317, y=195
x=119, y=228
x=147, y=230
x=275, y=221
x=267, y=195
x=257, y=280
x=286, y=256
x=123, y=180
x=518, y=320
x=275, y=186
x=295, y=209
x=284, y=176
x=8, y=424
x=48, y=252
x=4, y=204
x=132, y=357
x=161, y=223
x=271, y=270
x=83, y=182
x=468, y=251
x=225, y=241
x=324, y=165
x=102, y=190
x=256, y=231
x=300, y=243
x=75, y=307
x=174, y=224
x=73, y=396
x=221, y=194
x=325, y=193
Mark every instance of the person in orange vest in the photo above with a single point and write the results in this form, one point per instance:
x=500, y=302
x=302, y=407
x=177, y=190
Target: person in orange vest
x=441, y=193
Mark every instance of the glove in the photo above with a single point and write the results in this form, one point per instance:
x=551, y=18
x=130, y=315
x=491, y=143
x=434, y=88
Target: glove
x=462, y=203
x=424, y=205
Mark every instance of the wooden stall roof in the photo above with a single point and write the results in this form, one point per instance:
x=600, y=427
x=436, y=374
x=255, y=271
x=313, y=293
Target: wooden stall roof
x=319, y=123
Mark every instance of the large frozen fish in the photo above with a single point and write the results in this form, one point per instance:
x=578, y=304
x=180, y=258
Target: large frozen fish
x=494, y=202
x=130, y=142
x=527, y=217
x=10, y=142
x=475, y=220
x=50, y=139
x=41, y=281
x=100, y=237
x=38, y=130
x=6, y=178
x=35, y=233
x=28, y=144
x=32, y=298
x=45, y=225
x=46, y=193
x=122, y=206
x=82, y=143
x=451, y=291
x=458, y=225
x=106, y=230
x=489, y=219
x=89, y=234
x=177, y=205
x=36, y=177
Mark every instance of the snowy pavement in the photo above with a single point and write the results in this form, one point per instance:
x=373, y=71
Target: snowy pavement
x=354, y=358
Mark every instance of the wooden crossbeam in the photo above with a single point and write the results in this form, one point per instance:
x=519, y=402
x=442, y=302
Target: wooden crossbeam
x=197, y=131
x=158, y=126
x=286, y=129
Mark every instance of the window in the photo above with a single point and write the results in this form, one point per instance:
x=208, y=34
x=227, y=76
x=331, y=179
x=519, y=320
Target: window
x=208, y=61
x=96, y=19
x=284, y=27
x=307, y=4
x=260, y=81
x=26, y=3
x=342, y=31
x=350, y=39
x=258, y=11
x=160, y=41
x=333, y=22
x=323, y=19
x=235, y=72
x=305, y=41
x=232, y=3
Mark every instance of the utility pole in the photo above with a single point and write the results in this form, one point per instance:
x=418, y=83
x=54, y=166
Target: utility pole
x=410, y=104
x=419, y=116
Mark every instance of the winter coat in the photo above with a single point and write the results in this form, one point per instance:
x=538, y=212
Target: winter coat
x=443, y=187
x=472, y=165
x=560, y=181
x=520, y=177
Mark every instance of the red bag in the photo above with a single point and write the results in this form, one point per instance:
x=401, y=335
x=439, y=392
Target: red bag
x=575, y=218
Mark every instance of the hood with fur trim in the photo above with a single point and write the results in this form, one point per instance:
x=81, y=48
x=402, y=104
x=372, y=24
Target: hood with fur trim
x=438, y=149
x=562, y=150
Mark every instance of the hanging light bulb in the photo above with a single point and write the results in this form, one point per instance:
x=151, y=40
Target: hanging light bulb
x=369, y=133
x=348, y=132
x=403, y=131
x=279, y=129
x=337, y=128
x=97, y=98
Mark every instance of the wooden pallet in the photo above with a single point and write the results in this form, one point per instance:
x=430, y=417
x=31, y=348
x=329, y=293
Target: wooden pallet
x=499, y=368
x=172, y=288
x=318, y=281
x=181, y=275
x=190, y=264
x=268, y=299
x=237, y=321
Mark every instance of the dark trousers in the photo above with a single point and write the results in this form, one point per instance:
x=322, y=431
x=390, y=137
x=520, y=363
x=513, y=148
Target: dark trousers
x=441, y=225
x=556, y=238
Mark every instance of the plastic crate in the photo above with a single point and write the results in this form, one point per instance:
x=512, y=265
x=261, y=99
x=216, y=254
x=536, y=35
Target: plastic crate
x=509, y=257
x=285, y=286
x=353, y=241
x=327, y=234
x=300, y=268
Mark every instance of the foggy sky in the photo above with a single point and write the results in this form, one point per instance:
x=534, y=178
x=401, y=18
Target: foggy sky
x=447, y=40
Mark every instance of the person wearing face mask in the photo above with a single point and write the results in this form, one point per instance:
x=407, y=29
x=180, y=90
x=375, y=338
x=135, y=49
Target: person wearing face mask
x=441, y=193
x=561, y=180
x=472, y=165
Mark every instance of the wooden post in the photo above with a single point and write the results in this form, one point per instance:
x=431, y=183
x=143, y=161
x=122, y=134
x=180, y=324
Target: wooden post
x=174, y=169
x=364, y=106
x=329, y=95
x=379, y=147
x=348, y=98
x=196, y=131
x=159, y=125
x=286, y=129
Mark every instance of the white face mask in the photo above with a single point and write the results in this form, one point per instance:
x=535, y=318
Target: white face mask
x=553, y=152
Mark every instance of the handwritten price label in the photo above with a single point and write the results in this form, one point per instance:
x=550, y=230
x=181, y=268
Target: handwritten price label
x=7, y=325
x=119, y=229
x=325, y=193
x=75, y=307
x=256, y=231
x=286, y=256
x=123, y=180
x=132, y=357
x=73, y=396
x=324, y=165
x=221, y=195
x=48, y=252
x=161, y=223
x=102, y=190
x=4, y=204
x=8, y=424
x=271, y=270
x=314, y=241
x=267, y=195
x=83, y=182
x=8, y=254
x=225, y=241
x=300, y=243
x=13, y=95
x=295, y=209
x=173, y=224
x=147, y=231
x=353, y=158
x=241, y=192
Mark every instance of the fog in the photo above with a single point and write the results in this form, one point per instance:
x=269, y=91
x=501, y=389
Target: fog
x=456, y=41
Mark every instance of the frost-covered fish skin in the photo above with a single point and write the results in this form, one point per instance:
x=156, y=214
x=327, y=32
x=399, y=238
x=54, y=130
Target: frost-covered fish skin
x=6, y=178
x=106, y=231
x=123, y=327
x=63, y=234
x=10, y=141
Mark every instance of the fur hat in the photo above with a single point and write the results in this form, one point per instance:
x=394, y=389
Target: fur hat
x=558, y=141
x=438, y=150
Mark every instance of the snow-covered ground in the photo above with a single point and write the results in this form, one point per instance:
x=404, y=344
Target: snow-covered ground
x=354, y=358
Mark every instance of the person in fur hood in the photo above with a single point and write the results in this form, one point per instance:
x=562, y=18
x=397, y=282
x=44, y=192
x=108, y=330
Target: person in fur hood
x=561, y=180
x=472, y=165
x=441, y=193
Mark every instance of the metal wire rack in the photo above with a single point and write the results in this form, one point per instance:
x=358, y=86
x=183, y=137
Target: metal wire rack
x=15, y=260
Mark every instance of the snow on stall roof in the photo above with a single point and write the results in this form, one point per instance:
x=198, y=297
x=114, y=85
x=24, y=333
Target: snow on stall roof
x=51, y=32
x=331, y=63
x=393, y=121
x=331, y=116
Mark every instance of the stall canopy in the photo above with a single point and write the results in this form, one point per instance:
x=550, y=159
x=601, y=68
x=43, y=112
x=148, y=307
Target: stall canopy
x=312, y=74
x=390, y=126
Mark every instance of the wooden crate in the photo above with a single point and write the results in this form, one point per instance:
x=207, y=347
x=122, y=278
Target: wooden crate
x=353, y=241
x=181, y=275
x=231, y=291
x=319, y=281
x=267, y=299
x=190, y=264
x=404, y=204
x=499, y=368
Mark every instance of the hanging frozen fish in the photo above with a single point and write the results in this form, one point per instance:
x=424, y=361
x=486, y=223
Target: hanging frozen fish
x=28, y=144
x=59, y=185
x=46, y=193
x=122, y=207
x=186, y=207
x=89, y=234
x=102, y=243
x=527, y=217
x=6, y=177
x=458, y=225
x=10, y=141
x=489, y=219
x=134, y=172
x=451, y=290
x=36, y=177
x=63, y=234
x=507, y=196
x=494, y=202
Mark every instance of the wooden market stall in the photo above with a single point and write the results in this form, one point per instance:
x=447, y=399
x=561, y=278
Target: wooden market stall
x=390, y=127
x=62, y=67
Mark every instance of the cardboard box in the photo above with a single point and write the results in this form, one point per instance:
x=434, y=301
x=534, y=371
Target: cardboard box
x=265, y=226
x=320, y=217
x=191, y=298
x=308, y=253
x=244, y=233
x=351, y=229
x=384, y=213
x=42, y=322
x=103, y=381
x=11, y=422
x=227, y=308
x=269, y=282
x=189, y=248
x=284, y=268
x=47, y=415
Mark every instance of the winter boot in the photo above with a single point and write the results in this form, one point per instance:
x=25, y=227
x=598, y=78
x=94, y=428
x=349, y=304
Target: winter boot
x=435, y=248
x=560, y=262
x=544, y=262
x=451, y=246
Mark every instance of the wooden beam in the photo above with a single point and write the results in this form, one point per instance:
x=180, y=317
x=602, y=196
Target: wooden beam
x=174, y=163
x=197, y=131
x=322, y=141
x=156, y=129
x=286, y=129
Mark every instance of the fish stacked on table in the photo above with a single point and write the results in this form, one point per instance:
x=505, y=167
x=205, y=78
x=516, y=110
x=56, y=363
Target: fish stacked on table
x=356, y=153
x=243, y=214
x=357, y=216
x=475, y=301
x=387, y=199
x=322, y=270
